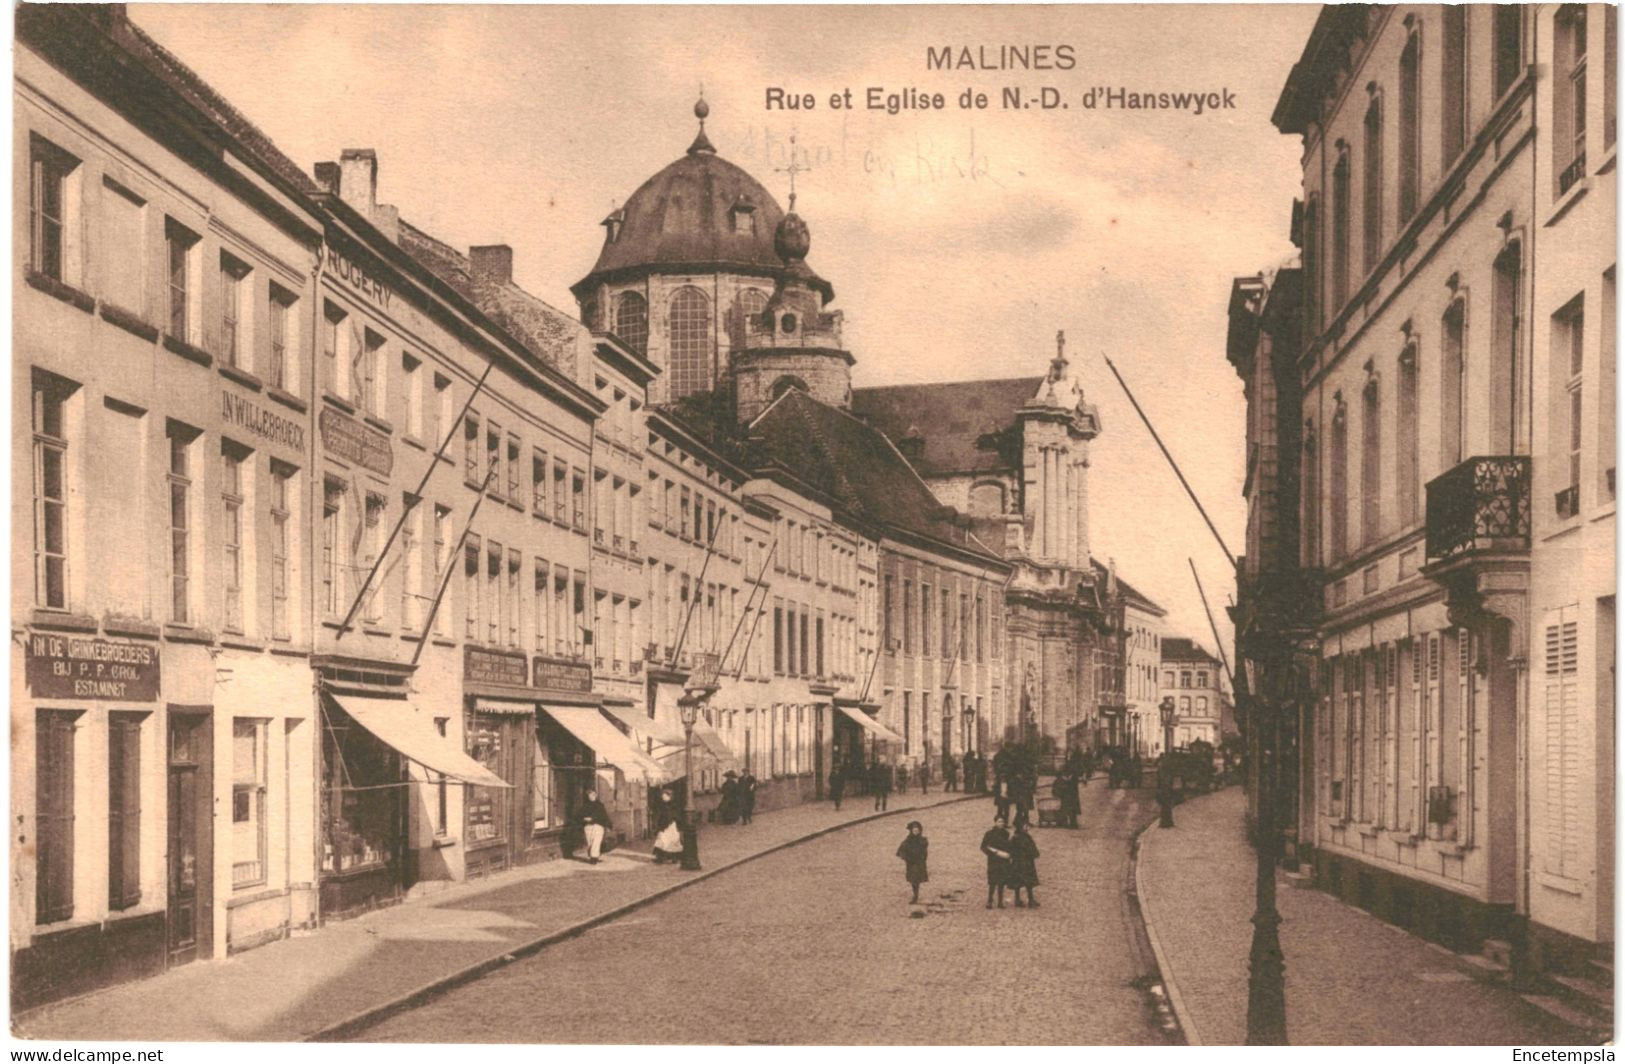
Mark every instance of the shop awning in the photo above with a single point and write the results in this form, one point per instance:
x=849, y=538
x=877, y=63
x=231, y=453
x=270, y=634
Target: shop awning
x=869, y=723
x=606, y=741
x=661, y=731
x=412, y=734
x=713, y=742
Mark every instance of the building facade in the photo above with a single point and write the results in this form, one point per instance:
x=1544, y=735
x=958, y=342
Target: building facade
x=1454, y=419
x=1194, y=679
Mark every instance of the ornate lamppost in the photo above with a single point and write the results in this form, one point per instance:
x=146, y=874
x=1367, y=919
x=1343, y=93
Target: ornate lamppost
x=688, y=711
x=1165, y=770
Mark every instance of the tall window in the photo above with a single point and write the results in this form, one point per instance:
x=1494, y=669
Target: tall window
x=1338, y=497
x=747, y=310
x=1508, y=45
x=1410, y=127
x=123, y=810
x=372, y=533
x=886, y=612
x=471, y=589
x=367, y=377
x=1453, y=80
x=442, y=560
x=280, y=549
x=332, y=326
x=180, y=522
x=248, y=763
x=279, y=371
x=908, y=617
x=1605, y=387
x=411, y=596
x=1569, y=96
x=1563, y=744
x=50, y=170
x=632, y=321
x=53, y=815
x=689, y=333
x=1453, y=386
x=1506, y=351
x=414, y=388
x=50, y=491
x=233, y=288
x=332, y=545
x=1371, y=463
x=231, y=536
x=1372, y=209
x=1567, y=419
x=178, y=244
x=1406, y=473
x=1340, y=231
x=1312, y=279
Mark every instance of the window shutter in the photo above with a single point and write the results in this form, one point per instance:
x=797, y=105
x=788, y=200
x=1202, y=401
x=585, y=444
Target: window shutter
x=53, y=816
x=124, y=813
x=1562, y=754
x=1465, y=724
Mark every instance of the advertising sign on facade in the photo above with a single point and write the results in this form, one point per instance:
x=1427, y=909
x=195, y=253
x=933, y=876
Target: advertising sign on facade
x=494, y=666
x=555, y=674
x=356, y=442
x=67, y=666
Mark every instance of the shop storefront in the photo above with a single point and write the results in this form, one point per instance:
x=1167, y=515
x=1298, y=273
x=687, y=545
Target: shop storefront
x=370, y=738
x=499, y=729
x=859, y=737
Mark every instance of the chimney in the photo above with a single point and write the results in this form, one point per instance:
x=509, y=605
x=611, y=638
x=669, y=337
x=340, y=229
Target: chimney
x=358, y=179
x=327, y=176
x=491, y=264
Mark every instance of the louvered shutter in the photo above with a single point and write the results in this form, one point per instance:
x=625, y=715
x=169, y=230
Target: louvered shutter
x=53, y=817
x=1562, y=790
x=124, y=812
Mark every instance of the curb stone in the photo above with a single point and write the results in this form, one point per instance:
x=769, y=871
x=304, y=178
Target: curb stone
x=375, y=1014
x=1175, y=1000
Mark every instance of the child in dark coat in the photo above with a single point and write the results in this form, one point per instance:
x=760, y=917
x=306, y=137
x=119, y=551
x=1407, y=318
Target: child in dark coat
x=996, y=844
x=1023, y=864
x=912, y=851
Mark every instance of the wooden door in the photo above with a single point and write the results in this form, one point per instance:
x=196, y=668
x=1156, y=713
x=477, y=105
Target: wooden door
x=191, y=839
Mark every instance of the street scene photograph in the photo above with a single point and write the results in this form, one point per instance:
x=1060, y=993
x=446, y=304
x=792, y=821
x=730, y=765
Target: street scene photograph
x=884, y=525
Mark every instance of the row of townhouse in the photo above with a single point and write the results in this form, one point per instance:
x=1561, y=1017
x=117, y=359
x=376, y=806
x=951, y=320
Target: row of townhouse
x=343, y=563
x=1429, y=577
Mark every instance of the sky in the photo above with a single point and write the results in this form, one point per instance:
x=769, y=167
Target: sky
x=958, y=240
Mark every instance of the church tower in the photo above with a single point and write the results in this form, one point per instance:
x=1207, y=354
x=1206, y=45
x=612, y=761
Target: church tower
x=1056, y=427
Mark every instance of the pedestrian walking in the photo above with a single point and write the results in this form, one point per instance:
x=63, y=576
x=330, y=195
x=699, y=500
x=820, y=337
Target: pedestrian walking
x=668, y=845
x=747, y=797
x=1001, y=799
x=880, y=783
x=837, y=785
x=996, y=845
x=950, y=772
x=912, y=851
x=925, y=774
x=728, y=808
x=593, y=819
x=1024, y=865
x=966, y=768
x=902, y=779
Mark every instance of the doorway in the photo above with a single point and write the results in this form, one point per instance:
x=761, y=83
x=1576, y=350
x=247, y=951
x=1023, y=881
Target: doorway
x=191, y=837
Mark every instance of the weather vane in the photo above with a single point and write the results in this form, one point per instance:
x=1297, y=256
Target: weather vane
x=793, y=169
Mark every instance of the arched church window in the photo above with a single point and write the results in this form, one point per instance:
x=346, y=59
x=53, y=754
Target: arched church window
x=690, y=331
x=746, y=316
x=632, y=321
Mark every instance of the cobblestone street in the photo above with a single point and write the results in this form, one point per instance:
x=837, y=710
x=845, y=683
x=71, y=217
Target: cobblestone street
x=817, y=944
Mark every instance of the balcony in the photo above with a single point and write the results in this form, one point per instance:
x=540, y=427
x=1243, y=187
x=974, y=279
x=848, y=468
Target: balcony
x=1568, y=502
x=1480, y=506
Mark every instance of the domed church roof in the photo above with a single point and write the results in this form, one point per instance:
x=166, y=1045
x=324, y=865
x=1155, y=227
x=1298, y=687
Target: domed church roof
x=700, y=214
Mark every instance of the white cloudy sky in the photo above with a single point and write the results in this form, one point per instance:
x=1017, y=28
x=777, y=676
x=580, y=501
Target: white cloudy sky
x=958, y=242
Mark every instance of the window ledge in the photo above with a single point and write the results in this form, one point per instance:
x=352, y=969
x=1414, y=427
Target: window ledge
x=374, y=629
x=379, y=423
x=63, y=621
x=176, y=633
x=263, y=894
x=129, y=321
x=240, y=642
x=342, y=404
x=61, y=290
x=131, y=626
x=241, y=376
x=1568, y=200
x=414, y=441
x=284, y=647
x=442, y=641
x=190, y=352
x=1560, y=883
x=287, y=399
x=440, y=842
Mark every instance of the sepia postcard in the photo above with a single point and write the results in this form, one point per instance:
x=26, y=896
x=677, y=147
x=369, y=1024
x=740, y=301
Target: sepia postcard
x=671, y=525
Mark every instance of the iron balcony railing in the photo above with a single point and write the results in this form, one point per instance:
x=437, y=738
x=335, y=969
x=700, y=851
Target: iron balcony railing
x=1480, y=505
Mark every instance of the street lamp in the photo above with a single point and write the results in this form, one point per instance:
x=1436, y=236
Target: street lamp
x=1165, y=770
x=1167, y=709
x=688, y=711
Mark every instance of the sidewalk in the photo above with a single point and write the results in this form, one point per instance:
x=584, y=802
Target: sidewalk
x=1351, y=979
x=299, y=987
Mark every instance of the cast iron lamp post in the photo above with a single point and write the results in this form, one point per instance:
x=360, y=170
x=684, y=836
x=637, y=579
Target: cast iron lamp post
x=688, y=710
x=1166, y=707
x=1165, y=769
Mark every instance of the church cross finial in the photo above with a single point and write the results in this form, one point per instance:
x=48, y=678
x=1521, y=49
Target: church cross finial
x=793, y=169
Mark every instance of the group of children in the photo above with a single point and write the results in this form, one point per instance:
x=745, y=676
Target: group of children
x=1012, y=861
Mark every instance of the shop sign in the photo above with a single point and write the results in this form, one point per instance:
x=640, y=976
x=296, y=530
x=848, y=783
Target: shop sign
x=557, y=674
x=263, y=423
x=357, y=277
x=65, y=666
x=495, y=667
x=355, y=442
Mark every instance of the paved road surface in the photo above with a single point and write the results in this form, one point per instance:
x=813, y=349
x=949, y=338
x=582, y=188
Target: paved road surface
x=818, y=944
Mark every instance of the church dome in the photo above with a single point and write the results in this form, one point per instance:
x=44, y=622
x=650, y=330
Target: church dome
x=700, y=214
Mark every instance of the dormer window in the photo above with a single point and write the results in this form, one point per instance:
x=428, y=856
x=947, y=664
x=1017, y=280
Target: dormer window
x=613, y=224
x=743, y=216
